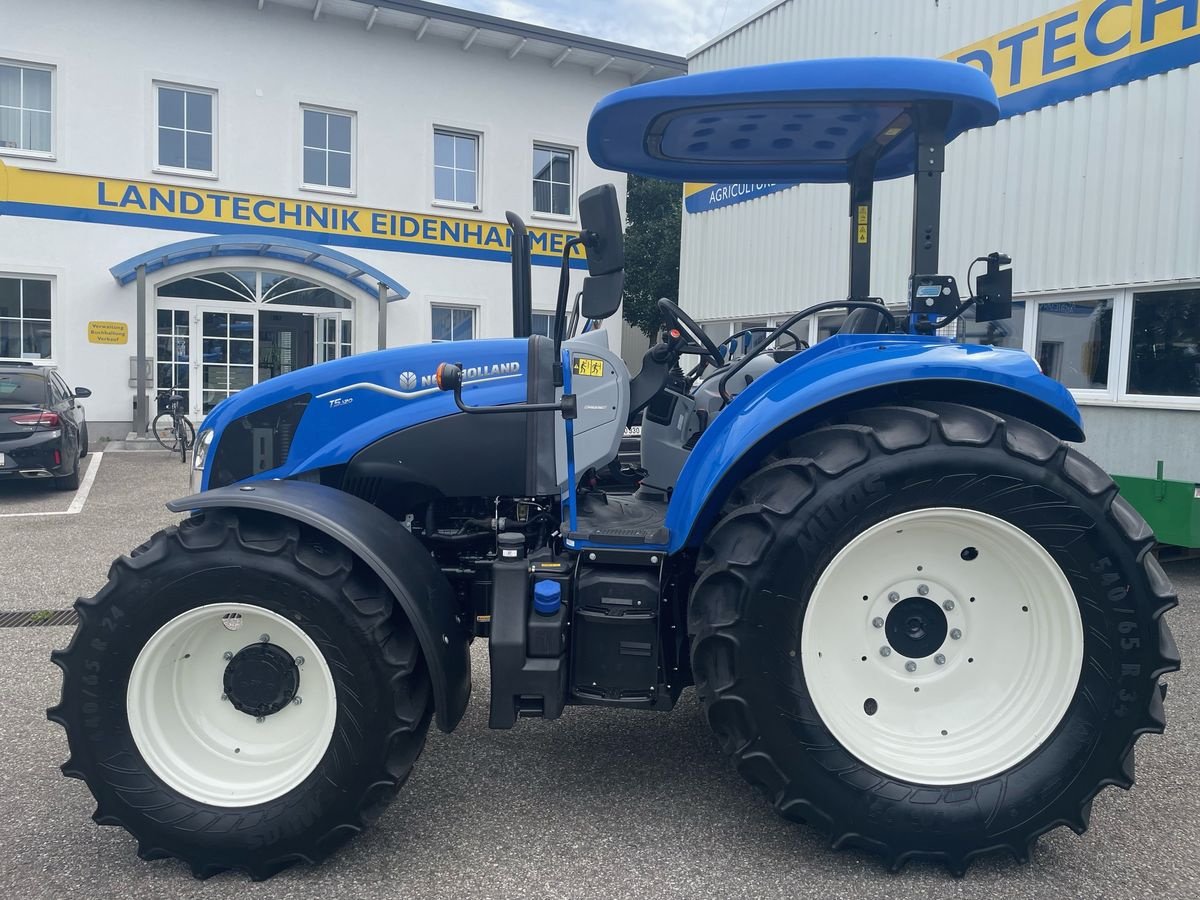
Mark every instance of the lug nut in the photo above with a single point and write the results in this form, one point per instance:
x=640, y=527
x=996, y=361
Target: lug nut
x=260, y=719
x=893, y=597
x=885, y=651
x=940, y=659
x=955, y=634
x=910, y=666
x=265, y=638
x=224, y=698
x=299, y=660
x=922, y=589
x=296, y=701
x=877, y=622
x=227, y=655
x=948, y=605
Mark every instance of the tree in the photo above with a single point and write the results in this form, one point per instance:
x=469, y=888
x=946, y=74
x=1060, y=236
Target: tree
x=653, y=212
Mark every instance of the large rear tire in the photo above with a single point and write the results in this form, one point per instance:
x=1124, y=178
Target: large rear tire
x=242, y=694
x=931, y=632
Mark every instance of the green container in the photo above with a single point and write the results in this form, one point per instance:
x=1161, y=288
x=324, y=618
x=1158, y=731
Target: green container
x=1171, y=507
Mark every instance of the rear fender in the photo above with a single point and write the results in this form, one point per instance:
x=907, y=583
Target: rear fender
x=391, y=551
x=847, y=371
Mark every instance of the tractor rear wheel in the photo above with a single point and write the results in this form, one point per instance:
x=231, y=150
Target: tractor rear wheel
x=931, y=632
x=241, y=695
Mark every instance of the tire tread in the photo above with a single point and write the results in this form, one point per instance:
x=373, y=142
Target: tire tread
x=826, y=453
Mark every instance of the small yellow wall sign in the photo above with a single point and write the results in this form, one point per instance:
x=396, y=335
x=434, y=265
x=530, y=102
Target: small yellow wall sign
x=108, y=333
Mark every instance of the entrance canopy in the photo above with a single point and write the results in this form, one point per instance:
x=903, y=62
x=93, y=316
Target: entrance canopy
x=332, y=262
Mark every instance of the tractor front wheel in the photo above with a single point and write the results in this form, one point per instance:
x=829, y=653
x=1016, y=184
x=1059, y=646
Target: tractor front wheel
x=241, y=695
x=931, y=632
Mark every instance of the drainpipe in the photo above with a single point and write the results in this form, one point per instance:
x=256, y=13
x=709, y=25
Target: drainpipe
x=141, y=414
x=383, y=311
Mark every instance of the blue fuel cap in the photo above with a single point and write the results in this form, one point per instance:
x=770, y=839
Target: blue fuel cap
x=547, y=597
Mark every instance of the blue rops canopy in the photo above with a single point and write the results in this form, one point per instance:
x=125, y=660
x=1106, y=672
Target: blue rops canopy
x=800, y=121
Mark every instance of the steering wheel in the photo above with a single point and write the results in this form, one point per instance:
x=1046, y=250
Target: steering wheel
x=698, y=341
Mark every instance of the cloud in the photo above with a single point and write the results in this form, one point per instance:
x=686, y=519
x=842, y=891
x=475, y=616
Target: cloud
x=671, y=26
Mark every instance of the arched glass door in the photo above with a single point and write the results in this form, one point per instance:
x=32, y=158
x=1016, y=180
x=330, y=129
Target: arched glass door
x=220, y=332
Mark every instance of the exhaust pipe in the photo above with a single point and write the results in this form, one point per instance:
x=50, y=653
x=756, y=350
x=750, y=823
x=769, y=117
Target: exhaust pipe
x=36, y=473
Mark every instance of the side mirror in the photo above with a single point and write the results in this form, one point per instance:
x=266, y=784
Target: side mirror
x=602, y=295
x=81, y=393
x=993, y=290
x=600, y=216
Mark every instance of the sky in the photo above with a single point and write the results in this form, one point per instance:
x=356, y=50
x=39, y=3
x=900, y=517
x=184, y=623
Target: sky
x=671, y=26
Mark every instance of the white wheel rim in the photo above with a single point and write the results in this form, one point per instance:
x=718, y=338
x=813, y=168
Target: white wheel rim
x=1004, y=683
x=193, y=737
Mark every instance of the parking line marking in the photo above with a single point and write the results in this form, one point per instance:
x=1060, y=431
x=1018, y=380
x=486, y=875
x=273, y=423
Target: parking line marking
x=81, y=494
x=89, y=478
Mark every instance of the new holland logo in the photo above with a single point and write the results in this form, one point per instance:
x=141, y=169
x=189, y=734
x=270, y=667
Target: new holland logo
x=413, y=385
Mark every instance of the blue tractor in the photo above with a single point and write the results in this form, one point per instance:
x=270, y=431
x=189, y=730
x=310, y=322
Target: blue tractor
x=915, y=616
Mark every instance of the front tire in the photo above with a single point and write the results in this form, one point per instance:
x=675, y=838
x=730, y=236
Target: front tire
x=242, y=694
x=931, y=632
x=68, y=482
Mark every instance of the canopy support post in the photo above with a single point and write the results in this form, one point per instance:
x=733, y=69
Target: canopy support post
x=932, y=120
x=862, y=192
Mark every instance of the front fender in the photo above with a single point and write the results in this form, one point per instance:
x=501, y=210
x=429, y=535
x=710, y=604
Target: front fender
x=391, y=551
x=837, y=369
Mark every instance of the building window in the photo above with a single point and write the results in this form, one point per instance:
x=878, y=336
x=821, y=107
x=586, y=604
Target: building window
x=25, y=326
x=1074, y=339
x=456, y=167
x=1164, y=350
x=328, y=149
x=228, y=348
x=26, y=119
x=186, y=131
x=1003, y=333
x=552, y=180
x=453, y=323
x=543, y=324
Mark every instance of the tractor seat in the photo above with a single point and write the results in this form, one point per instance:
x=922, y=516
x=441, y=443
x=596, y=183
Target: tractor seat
x=863, y=321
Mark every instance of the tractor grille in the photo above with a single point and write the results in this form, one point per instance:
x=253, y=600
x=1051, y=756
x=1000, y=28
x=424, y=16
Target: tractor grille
x=257, y=442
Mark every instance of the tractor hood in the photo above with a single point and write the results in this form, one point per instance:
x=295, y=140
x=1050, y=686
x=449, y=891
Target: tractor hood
x=321, y=415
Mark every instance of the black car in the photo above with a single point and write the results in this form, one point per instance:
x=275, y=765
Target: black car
x=42, y=429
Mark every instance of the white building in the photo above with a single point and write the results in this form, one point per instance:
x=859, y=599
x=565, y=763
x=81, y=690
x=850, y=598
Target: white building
x=313, y=154
x=1091, y=182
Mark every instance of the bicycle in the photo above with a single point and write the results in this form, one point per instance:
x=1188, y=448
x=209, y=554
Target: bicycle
x=171, y=427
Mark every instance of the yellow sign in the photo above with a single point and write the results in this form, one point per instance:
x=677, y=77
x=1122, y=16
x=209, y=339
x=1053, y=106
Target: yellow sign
x=84, y=198
x=864, y=221
x=1082, y=48
x=1114, y=41
x=593, y=368
x=108, y=333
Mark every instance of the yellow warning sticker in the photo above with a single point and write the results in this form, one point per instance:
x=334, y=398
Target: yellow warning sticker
x=583, y=365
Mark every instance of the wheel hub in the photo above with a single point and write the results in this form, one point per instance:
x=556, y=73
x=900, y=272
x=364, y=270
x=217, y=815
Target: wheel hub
x=207, y=712
x=261, y=679
x=942, y=645
x=916, y=627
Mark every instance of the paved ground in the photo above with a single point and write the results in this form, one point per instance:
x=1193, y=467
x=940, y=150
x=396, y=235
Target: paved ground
x=64, y=556
x=599, y=804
